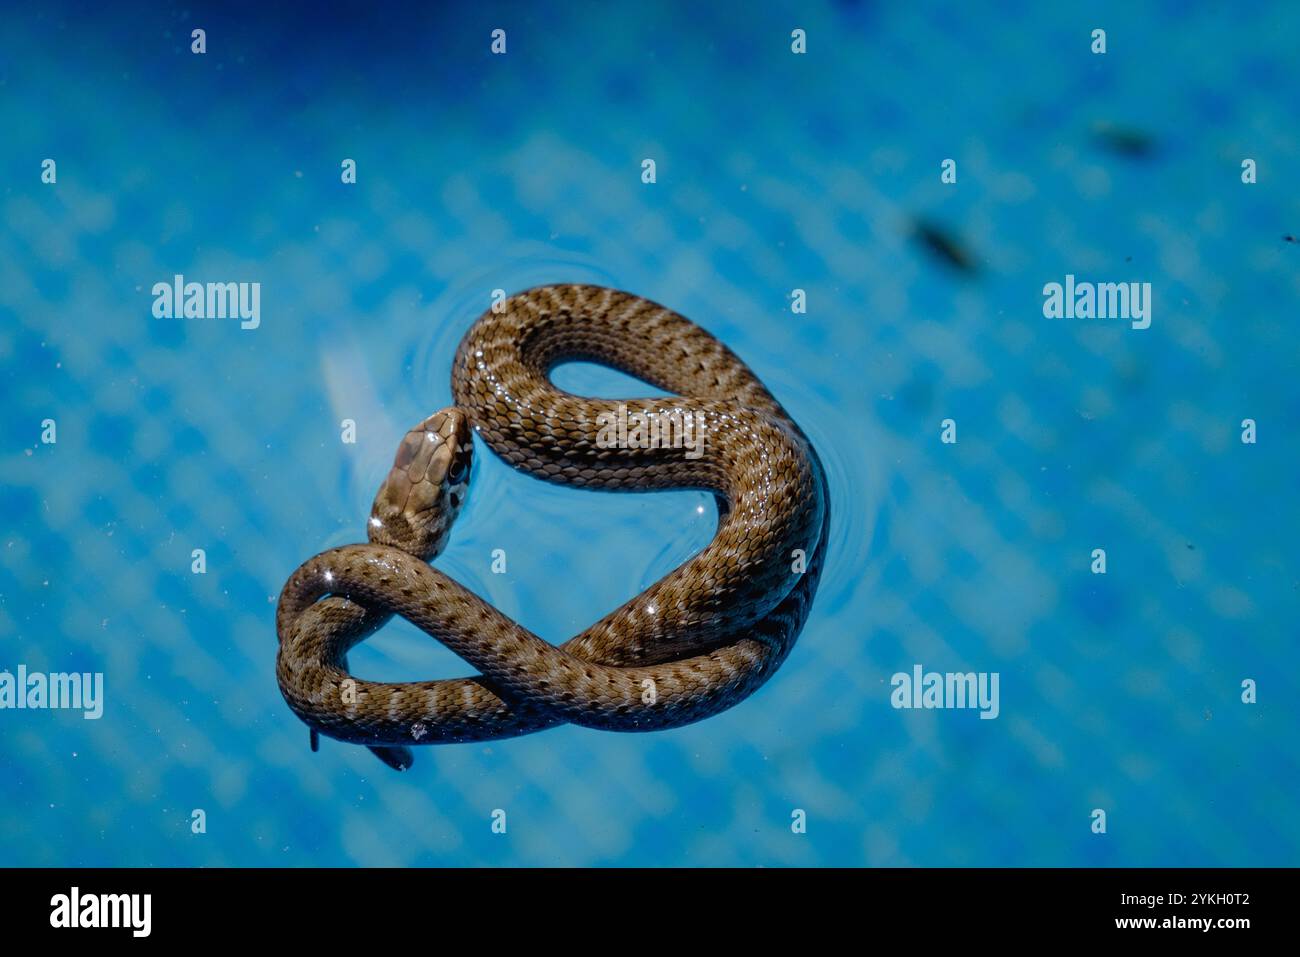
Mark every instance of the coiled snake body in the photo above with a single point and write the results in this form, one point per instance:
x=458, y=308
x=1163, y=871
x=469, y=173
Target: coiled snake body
x=695, y=642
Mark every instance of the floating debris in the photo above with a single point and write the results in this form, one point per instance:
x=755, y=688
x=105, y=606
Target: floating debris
x=944, y=246
x=1124, y=141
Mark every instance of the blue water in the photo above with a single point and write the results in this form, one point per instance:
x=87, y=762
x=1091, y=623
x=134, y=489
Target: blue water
x=775, y=171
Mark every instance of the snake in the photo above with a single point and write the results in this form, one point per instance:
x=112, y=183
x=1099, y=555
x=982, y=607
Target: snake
x=694, y=643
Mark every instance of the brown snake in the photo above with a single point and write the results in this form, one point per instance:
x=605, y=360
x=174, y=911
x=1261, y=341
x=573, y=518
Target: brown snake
x=694, y=643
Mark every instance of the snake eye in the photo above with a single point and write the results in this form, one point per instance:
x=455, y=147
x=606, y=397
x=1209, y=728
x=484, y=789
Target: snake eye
x=456, y=474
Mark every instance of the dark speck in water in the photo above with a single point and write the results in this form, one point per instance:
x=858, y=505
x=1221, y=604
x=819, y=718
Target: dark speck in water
x=1289, y=239
x=944, y=246
x=1124, y=141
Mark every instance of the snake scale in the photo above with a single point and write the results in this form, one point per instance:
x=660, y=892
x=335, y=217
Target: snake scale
x=695, y=642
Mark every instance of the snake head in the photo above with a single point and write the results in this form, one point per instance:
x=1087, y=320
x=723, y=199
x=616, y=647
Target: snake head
x=426, y=487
